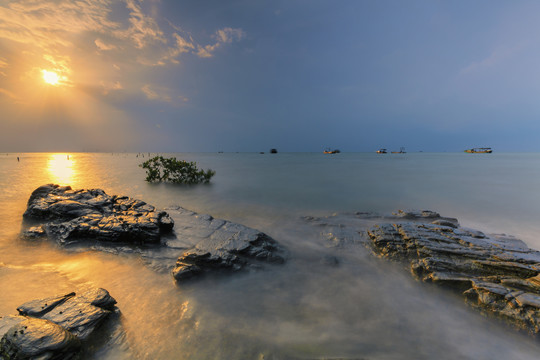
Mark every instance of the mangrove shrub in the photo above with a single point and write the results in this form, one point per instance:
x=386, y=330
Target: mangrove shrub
x=175, y=171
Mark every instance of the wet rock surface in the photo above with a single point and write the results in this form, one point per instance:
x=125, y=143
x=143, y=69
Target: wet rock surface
x=497, y=274
x=54, y=327
x=198, y=245
x=70, y=215
x=219, y=246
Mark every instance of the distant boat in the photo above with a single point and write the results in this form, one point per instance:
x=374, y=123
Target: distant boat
x=401, y=151
x=328, y=151
x=479, y=151
x=382, y=151
x=273, y=151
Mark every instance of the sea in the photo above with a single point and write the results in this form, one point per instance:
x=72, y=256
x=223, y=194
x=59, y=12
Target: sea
x=362, y=308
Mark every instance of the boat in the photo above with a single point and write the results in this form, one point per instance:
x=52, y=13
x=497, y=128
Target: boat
x=401, y=151
x=328, y=151
x=479, y=151
x=381, y=151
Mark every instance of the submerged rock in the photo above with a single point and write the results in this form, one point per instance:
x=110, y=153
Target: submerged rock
x=70, y=215
x=219, y=246
x=498, y=274
x=54, y=327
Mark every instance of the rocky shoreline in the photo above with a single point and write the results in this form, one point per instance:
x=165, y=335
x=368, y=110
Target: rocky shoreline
x=497, y=274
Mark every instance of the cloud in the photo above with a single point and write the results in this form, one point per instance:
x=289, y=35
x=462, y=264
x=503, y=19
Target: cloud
x=228, y=35
x=182, y=45
x=206, y=51
x=143, y=29
x=104, y=47
x=222, y=36
x=48, y=24
x=48, y=32
x=54, y=26
x=152, y=94
x=157, y=93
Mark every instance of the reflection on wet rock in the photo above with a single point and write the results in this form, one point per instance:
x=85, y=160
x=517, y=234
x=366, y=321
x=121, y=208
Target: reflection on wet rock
x=38, y=339
x=54, y=327
x=70, y=215
x=199, y=244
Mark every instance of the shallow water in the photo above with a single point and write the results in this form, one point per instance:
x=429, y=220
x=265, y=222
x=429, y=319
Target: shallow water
x=306, y=309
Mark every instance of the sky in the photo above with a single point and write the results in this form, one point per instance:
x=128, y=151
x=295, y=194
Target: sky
x=296, y=75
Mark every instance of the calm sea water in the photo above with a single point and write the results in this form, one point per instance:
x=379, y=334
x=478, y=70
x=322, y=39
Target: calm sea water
x=363, y=308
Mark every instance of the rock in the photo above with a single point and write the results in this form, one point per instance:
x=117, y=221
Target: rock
x=38, y=339
x=219, y=246
x=7, y=322
x=80, y=314
x=199, y=244
x=54, y=327
x=496, y=273
x=35, y=232
x=70, y=215
x=38, y=308
x=453, y=224
x=415, y=214
x=499, y=275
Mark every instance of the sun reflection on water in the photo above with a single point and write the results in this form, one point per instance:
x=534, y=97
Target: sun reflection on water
x=61, y=168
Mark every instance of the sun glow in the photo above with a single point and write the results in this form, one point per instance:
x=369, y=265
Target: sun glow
x=50, y=77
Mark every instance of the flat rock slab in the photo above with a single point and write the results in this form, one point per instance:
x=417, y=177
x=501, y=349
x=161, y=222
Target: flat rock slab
x=70, y=215
x=217, y=246
x=54, y=327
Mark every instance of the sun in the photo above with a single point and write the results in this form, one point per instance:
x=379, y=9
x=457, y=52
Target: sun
x=50, y=77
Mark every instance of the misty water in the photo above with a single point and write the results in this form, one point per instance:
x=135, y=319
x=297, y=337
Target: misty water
x=364, y=308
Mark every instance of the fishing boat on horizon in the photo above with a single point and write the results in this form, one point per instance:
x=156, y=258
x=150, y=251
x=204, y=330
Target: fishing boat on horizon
x=401, y=151
x=381, y=151
x=485, y=150
x=328, y=151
